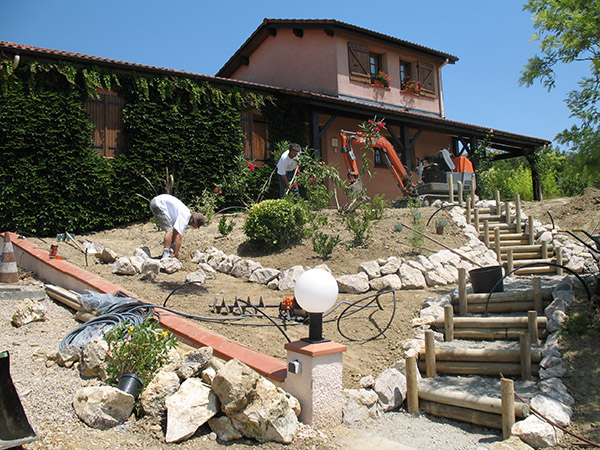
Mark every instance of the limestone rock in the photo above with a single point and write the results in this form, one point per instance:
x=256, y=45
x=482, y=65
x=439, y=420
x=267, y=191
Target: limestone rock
x=194, y=361
x=198, y=277
x=29, y=311
x=68, y=355
x=288, y=277
x=371, y=268
x=552, y=409
x=512, y=443
x=390, y=387
x=150, y=269
x=137, y=262
x=170, y=265
x=411, y=277
x=536, y=432
x=360, y=405
x=211, y=273
x=353, y=284
x=391, y=281
x=142, y=252
x=123, y=266
x=107, y=255
x=102, y=407
x=224, y=428
x=93, y=359
x=264, y=275
x=153, y=398
x=188, y=409
x=243, y=269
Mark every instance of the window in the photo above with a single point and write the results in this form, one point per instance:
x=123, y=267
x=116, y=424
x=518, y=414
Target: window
x=404, y=70
x=106, y=115
x=374, y=64
x=379, y=158
x=426, y=77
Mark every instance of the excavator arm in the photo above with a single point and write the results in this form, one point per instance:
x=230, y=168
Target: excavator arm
x=388, y=152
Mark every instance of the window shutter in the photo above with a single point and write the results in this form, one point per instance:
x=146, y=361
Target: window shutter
x=425, y=73
x=358, y=59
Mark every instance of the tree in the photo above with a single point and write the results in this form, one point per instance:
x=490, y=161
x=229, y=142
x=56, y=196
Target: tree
x=569, y=31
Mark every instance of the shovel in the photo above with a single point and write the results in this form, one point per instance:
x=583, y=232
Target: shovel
x=14, y=426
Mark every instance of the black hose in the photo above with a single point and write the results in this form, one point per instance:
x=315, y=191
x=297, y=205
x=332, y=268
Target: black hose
x=179, y=287
x=375, y=299
x=232, y=207
x=533, y=264
x=440, y=209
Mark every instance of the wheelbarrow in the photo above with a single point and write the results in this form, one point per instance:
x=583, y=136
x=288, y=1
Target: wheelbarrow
x=14, y=426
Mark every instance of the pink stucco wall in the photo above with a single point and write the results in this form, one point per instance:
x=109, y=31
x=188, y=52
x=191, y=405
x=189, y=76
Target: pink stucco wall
x=305, y=63
x=319, y=63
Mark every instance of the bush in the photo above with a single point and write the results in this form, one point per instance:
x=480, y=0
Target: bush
x=275, y=223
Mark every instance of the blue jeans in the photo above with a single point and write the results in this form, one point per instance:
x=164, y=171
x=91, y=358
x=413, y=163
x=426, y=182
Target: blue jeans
x=283, y=187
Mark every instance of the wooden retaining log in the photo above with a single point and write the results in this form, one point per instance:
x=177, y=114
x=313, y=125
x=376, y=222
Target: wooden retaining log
x=468, y=415
x=492, y=333
x=466, y=400
x=478, y=368
x=501, y=307
x=507, y=395
x=534, y=270
x=492, y=322
x=481, y=355
x=412, y=387
x=504, y=297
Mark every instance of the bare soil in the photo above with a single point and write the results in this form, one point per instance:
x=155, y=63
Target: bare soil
x=364, y=356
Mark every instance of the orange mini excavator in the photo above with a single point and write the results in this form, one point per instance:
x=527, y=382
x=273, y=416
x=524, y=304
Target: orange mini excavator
x=388, y=154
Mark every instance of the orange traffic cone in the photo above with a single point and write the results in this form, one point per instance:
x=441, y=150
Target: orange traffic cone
x=8, y=266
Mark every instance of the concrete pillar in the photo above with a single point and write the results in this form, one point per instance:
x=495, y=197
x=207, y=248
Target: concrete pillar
x=314, y=377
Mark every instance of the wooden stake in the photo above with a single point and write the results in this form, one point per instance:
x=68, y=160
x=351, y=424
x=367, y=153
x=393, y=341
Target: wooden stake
x=544, y=250
x=476, y=219
x=460, y=192
x=468, y=214
x=518, y=211
x=507, y=213
x=497, y=245
x=525, y=343
x=509, y=261
x=486, y=233
x=463, y=307
x=532, y=327
x=430, y=354
x=531, y=231
x=507, y=392
x=450, y=188
x=412, y=388
x=448, y=323
x=498, y=207
x=537, y=295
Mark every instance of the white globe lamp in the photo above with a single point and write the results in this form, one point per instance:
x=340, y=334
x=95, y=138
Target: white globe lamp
x=316, y=291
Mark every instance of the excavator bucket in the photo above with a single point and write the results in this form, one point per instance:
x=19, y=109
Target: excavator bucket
x=14, y=426
x=358, y=189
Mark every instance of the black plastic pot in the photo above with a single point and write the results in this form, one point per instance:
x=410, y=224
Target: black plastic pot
x=130, y=383
x=484, y=279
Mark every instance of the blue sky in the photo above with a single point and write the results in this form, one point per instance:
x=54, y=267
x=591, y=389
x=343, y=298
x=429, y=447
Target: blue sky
x=491, y=38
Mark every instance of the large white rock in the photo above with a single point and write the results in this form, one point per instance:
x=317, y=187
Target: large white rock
x=390, y=387
x=264, y=275
x=244, y=268
x=211, y=273
x=102, y=407
x=360, y=405
x=411, y=277
x=123, y=266
x=391, y=281
x=93, y=359
x=552, y=409
x=153, y=398
x=371, y=268
x=224, y=428
x=170, y=265
x=29, y=311
x=536, y=432
x=353, y=284
x=188, y=409
x=288, y=278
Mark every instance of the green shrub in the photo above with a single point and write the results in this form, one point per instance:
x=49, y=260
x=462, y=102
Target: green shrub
x=275, y=223
x=225, y=227
x=580, y=323
x=323, y=244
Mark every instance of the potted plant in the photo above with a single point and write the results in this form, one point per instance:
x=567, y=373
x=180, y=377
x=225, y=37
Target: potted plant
x=135, y=353
x=410, y=86
x=440, y=224
x=382, y=79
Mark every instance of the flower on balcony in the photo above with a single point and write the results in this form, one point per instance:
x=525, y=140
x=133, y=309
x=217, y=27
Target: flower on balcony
x=410, y=86
x=383, y=77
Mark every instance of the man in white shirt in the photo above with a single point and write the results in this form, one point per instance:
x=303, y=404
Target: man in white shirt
x=174, y=217
x=286, y=168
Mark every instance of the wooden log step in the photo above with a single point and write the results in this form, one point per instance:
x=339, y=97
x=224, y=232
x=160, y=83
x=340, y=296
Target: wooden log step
x=477, y=368
x=524, y=248
x=506, y=243
x=468, y=415
x=507, y=296
x=504, y=227
x=536, y=270
x=521, y=256
x=492, y=322
x=492, y=218
x=493, y=333
x=480, y=355
x=464, y=399
x=522, y=262
x=501, y=307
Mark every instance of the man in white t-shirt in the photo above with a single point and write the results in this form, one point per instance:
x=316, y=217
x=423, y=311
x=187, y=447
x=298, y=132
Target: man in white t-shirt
x=286, y=168
x=174, y=217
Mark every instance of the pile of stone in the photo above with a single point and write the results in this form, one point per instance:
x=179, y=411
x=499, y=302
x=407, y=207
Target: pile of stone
x=140, y=263
x=192, y=390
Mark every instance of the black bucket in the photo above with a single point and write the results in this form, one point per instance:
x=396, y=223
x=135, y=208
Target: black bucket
x=484, y=279
x=130, y=383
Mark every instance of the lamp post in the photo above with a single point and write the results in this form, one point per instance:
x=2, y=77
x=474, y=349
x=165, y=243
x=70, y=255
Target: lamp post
x=316, y=291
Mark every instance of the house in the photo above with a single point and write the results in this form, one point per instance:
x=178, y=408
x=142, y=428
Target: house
x=329, y=67
x=323, y=70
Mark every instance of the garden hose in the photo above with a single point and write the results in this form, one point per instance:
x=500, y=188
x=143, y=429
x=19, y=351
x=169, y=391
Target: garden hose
x=533, y=264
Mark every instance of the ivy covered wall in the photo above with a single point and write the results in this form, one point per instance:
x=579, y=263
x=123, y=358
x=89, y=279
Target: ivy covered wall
x=53, y=181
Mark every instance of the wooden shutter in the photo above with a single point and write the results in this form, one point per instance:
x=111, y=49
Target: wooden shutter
x=106, y=114
x=425, y=74
x=358, y=59
x=255, y=137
